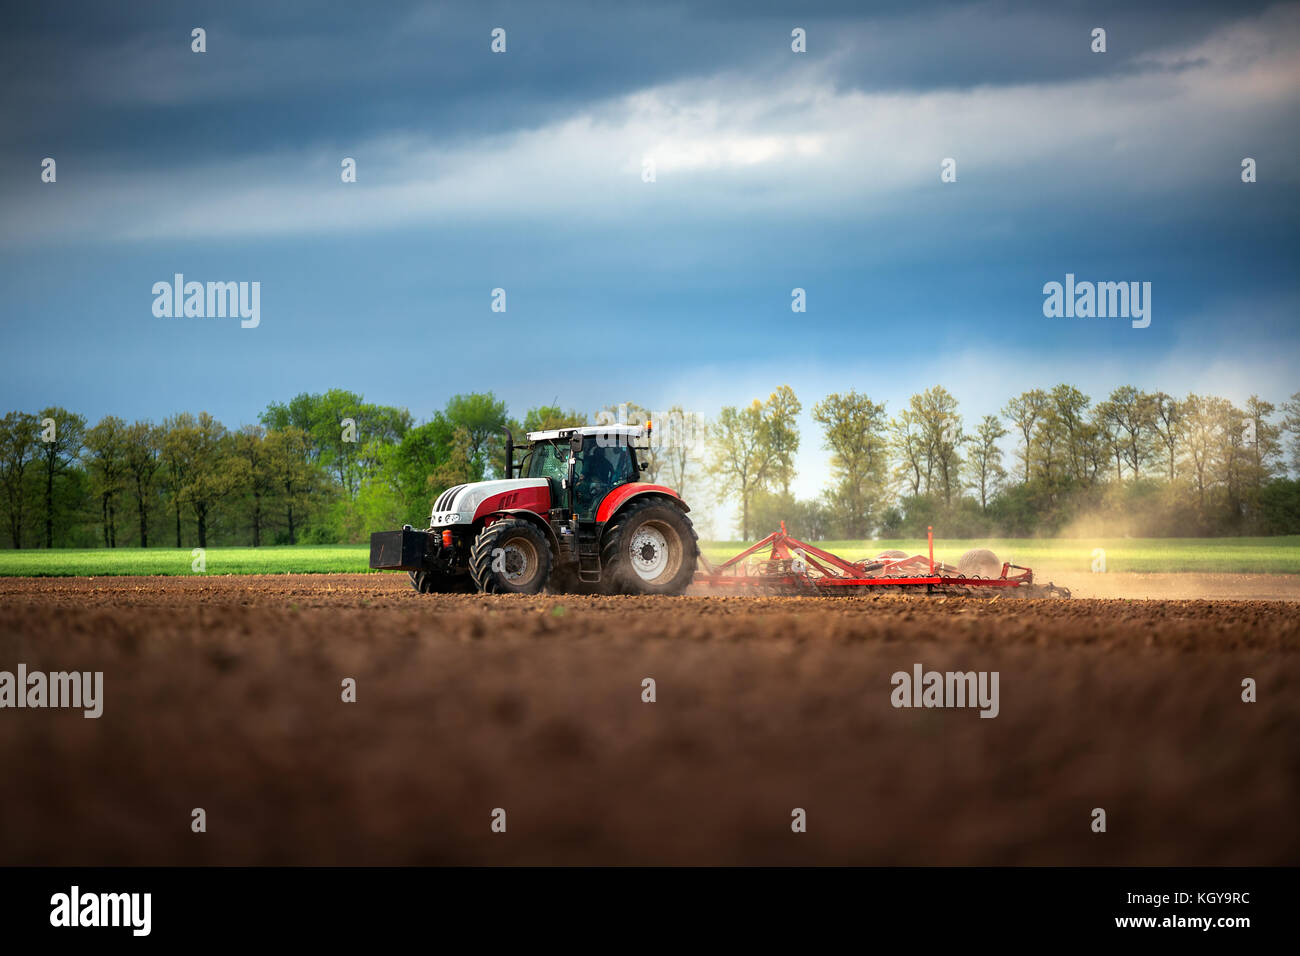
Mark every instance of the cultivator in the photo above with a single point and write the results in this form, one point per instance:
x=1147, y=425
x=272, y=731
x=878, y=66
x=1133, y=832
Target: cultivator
x=793, y=567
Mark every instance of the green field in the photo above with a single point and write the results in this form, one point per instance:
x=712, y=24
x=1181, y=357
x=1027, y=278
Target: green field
x=1279, y=555
x=299, y=559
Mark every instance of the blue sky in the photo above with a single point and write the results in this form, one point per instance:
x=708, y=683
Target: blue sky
x=523, y=171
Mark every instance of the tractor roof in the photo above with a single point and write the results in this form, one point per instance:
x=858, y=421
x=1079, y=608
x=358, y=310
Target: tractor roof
x=631, y=431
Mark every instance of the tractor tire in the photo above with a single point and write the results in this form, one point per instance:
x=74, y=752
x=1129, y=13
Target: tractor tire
x=440, y=582
x=650, y=547
x=511, y=556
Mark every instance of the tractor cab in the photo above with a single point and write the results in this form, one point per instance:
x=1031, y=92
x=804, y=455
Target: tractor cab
x=602, y=461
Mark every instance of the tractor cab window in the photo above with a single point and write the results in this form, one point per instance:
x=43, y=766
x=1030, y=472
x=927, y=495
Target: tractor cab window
x=549, y=460
x=609, y=465
x=601, y=469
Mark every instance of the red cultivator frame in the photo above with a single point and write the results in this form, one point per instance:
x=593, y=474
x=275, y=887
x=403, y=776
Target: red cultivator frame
x=793, y=567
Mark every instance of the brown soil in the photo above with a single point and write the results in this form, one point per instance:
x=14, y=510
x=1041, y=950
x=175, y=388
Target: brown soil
x=224, y=693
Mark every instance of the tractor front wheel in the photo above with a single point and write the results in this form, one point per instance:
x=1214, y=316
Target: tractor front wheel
x=649, y=548
x=438, y=582
x=511, y=556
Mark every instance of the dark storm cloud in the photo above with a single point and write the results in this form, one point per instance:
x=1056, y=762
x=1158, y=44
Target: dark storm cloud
x=119, y=79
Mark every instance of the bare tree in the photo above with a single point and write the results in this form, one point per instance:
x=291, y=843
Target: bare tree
x=1291, y=425
x=986, y=457
x=679, y=437
x=1208, y=422
x=1134, y=416
x=1070, y=407
x=908, y=445
x=1167, y=415
x=1025, y=411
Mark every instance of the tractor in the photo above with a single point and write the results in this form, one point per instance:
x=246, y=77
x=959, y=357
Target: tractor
x=570, y=515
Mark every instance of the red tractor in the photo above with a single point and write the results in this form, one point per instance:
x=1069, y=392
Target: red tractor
x=571, y=515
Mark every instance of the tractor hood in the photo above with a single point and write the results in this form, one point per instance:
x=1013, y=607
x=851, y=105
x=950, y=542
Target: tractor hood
x=459, y=504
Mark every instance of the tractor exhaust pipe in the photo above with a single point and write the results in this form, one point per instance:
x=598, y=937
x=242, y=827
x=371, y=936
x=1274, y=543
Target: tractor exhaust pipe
x=575, y=448
x=510, y=453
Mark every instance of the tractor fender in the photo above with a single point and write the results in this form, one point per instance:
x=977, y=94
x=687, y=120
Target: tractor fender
x=524, y=513
x=620, y=496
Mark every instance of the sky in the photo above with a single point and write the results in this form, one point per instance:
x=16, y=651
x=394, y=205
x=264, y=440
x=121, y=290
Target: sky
x=526, y=171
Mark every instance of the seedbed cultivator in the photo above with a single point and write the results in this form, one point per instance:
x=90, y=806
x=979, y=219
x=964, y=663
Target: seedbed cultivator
x=791, y=566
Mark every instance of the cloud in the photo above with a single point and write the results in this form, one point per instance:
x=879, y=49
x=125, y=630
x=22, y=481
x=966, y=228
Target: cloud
x=734, y=145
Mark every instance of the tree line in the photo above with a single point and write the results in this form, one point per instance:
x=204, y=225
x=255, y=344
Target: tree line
x=331, y=467
x=1136, y=462
x=322, y=468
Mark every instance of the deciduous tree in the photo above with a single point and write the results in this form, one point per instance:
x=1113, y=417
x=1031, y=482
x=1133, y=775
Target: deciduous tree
x=105, y=450
x=60, y=449
x=854, y=428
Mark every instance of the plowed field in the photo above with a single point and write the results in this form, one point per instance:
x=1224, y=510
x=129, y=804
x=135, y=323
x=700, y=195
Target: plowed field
x=225, y=693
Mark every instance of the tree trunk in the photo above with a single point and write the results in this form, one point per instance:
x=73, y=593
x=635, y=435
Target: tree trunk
x=178, y=522
x=202, y=514
x=49, y=506
x=291, y=536
x=103, y=508
x=144, y=517
x=257, y=520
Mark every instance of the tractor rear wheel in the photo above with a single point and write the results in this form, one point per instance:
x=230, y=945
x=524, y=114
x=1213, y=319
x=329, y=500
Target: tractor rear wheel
x=649, y=547
x=511, y=556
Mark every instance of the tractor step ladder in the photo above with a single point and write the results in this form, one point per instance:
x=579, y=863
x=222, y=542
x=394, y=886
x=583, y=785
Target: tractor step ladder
x=588, y=557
